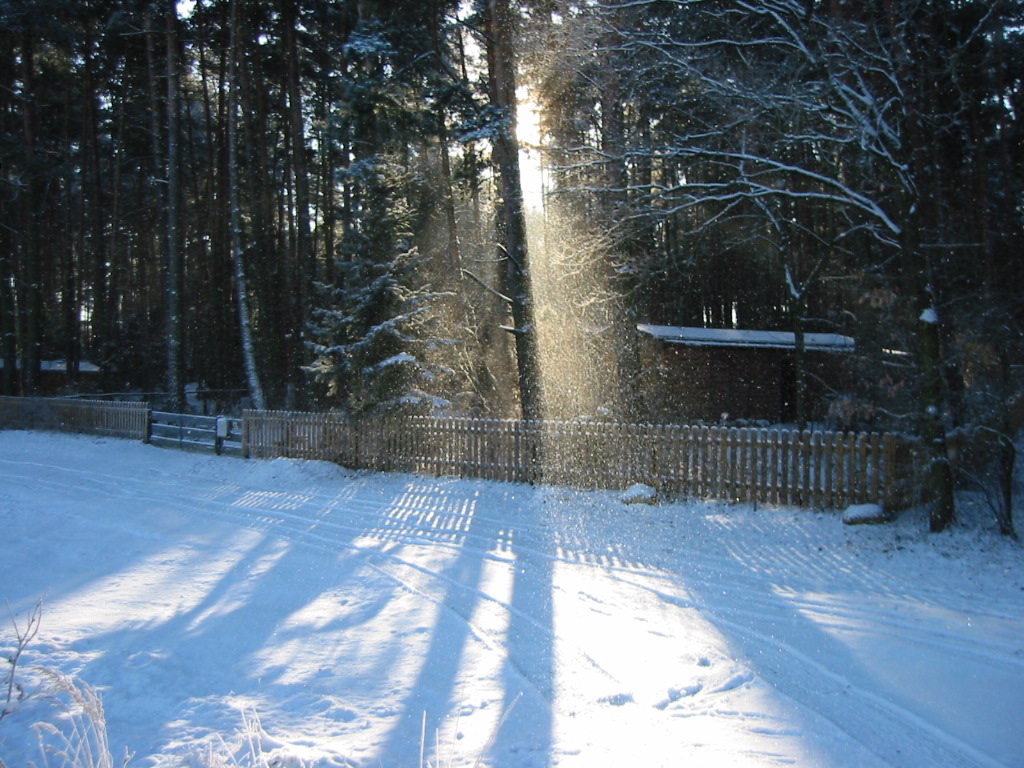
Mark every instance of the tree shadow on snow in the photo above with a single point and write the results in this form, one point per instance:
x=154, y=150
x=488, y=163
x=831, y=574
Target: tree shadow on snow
x=489, y=578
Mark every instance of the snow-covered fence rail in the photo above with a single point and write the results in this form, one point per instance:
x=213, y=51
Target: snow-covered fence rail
x=114, y=419
x=804, y=468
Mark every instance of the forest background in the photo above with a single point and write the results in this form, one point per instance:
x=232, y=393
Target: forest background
x=319, y=203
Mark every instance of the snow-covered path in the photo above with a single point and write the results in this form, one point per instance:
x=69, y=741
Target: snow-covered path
x=356, y=612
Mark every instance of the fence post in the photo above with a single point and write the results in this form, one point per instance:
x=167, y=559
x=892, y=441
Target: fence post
x=862, y=469
x=875, y=462
x=890, y=499
x=718, y=459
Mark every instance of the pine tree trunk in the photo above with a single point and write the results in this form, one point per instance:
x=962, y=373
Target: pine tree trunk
x=303, y=267
x=94, y=214
x=911, y=45
x=938, y=474
x=8, y=206
x=175, y=380
x=800, y=364
x=241, y=293
x=447, y=188
x=8, y=347
x=30, y=290
x=511, y=219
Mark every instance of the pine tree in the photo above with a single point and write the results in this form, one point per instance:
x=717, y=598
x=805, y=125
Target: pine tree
x=371, y=329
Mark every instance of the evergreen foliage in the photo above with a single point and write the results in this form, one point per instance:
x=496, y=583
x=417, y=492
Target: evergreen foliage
x=372, y=327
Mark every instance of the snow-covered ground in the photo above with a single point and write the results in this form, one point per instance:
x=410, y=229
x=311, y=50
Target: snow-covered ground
x=354, y=612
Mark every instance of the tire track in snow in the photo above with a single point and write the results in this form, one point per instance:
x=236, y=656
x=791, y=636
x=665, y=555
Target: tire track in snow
x=263, y=516
x=819, y=689
x=299, y=529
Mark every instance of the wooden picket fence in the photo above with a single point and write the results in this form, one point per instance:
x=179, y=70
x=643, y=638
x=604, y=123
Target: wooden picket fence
x=803, y=468
x=113, y=419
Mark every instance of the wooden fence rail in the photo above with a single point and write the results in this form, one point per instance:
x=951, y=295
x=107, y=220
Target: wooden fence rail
x=802, y=468
x=114, y=419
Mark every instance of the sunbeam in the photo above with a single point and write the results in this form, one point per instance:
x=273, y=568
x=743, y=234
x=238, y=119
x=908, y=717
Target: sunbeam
x=577, y=315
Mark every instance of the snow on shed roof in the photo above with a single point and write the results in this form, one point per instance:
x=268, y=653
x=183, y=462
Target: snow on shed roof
x=59, y=366
x=735, y=337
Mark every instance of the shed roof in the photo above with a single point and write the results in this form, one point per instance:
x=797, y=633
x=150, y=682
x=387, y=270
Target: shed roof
x=736, y=337
x=59, y=366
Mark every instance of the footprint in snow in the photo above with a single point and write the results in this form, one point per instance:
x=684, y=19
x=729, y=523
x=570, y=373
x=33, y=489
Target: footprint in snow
x=617, y=699
x=737, y=680
x=675, y=694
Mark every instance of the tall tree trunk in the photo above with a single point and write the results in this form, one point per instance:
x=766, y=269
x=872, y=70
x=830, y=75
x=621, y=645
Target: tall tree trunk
x=511, y=220
x=150, y=254
x=32, y=252
x=95, y=252
x=920, y=209
x=70, y=257
x=8, y=212
x=329, y=162
x=799, y=316
x=259, y=194
x=447, y=191
x=103, y=328
x=303, y=257
x=8, y=339
x=175, y=380
x=237, y=255
x=938, y=473
x=613, y=132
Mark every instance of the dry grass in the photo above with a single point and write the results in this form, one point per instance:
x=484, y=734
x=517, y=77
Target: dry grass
x=82, y=742
x=74, y=735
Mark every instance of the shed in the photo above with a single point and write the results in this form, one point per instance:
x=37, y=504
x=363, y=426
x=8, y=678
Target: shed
x=716, y=374
x=53, y=376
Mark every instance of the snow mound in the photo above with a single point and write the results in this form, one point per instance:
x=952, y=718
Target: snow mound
x=639, y=494
x=865, y=514
x=291, y=473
